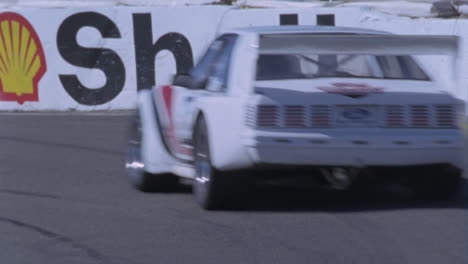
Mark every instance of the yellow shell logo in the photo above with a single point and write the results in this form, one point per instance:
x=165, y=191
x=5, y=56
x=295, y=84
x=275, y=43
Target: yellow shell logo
x=22, y=60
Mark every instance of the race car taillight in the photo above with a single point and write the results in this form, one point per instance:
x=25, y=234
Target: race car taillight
x=267, y=116
x=294, y=116
x=320, y=116
x=395, y=116
x=289, y=116
x=420, y=116
x=445, y=116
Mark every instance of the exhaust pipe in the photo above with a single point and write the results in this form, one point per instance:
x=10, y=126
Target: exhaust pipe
x=339, y=178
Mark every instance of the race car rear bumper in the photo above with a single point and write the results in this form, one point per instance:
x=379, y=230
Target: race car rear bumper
x=358, y=149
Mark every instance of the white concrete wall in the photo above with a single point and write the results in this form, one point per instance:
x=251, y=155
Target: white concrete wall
x=199, y=25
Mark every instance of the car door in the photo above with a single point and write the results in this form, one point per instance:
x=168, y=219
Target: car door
x=175, y=104
x=210, y=78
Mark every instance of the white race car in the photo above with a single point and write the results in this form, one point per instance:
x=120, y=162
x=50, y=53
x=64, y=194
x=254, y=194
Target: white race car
x=294, y=100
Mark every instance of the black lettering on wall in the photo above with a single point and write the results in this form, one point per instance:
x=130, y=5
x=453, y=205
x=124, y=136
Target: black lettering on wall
x=289, y=19
x=106, y=60
x=146, y=51
x=326, y=20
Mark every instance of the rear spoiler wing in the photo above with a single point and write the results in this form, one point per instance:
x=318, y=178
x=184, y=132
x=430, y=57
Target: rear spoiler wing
x=359, y=44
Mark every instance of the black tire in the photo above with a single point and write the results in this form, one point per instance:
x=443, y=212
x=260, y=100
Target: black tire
x=137, y=176
x=214, y=189
x=437, y=183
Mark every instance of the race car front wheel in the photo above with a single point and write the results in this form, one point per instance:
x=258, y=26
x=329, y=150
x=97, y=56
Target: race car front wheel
x=137, y=176
x=214, y=189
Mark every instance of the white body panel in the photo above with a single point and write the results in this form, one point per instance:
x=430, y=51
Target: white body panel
x=356, y=148
x=154, y=155
x=225, y=129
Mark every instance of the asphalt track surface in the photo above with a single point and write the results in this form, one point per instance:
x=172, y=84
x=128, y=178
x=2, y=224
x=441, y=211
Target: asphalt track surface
x=64, y=198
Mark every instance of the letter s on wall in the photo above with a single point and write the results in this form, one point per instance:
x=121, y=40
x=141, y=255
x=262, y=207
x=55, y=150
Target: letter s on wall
x=106, y=60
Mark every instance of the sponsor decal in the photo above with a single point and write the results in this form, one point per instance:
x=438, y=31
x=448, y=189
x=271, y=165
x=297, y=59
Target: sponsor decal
x=106, y=60
x=167, y=94
x=110, y=62
x=351, y=89
x=22, y=59
x=23, y=62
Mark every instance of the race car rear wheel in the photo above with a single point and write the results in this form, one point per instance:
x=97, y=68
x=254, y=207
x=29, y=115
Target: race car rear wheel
x=437, y=183
x=137, y=176
x=214, y=189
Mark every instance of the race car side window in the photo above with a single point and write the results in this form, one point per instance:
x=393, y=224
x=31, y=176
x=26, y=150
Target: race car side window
x=201, y=71
x=219, y=72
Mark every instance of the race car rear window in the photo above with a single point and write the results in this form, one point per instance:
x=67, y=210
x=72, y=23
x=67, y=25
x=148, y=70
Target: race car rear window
x=308, y=66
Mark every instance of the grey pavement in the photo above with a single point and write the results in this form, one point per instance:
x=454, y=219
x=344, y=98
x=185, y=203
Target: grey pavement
x=64, y=199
